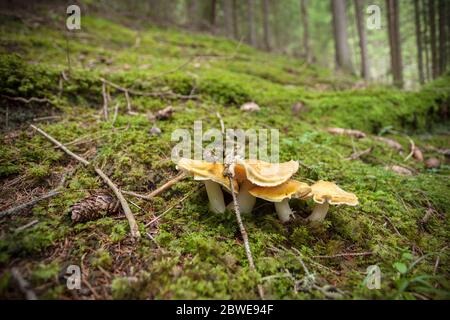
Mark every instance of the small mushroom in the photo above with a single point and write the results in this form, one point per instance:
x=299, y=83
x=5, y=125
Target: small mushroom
x=325, y=193
x=280, y=196
x=266, y=174
x=251, y=173
x=212, y=175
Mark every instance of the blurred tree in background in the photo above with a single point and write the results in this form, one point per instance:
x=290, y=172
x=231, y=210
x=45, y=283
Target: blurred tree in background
x=411, y=45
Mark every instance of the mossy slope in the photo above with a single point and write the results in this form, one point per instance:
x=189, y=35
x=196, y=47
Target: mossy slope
x=196, y=254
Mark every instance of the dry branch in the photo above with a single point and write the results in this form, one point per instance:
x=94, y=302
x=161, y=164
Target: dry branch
x=340, y=255
x=347, y=132
x=157, y=94
x=243, y=231
x=23, y=284
x=358, y=155
x=24, y=100
x=126, y=208
x=157, y=191
x=105, y=101
x=168, y=210
x=28, y=204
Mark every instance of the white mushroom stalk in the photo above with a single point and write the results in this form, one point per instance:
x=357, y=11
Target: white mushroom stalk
x=245, y=200
x=215, y=196
x=284, y=210
x=325, y=193
x=319, y=212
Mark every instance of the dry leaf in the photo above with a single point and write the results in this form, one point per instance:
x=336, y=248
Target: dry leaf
x=165, y=113
x=399, y=170
x=391, y=143
x=432, y=163
x=297, y=108
x=347, y=132
x=250, y=107
x=417, y=154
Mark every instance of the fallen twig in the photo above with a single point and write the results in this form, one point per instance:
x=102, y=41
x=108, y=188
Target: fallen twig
x=244, y=235
x=24, y=100
x=169, y=94
x=29, y=224
x=412, y=148
x=157, y=191
x=348, y=132
x=349, y=254
x=28, y=204
x=105, y=101
x=23, y=284
x=126, y=208
x=116, y=111
x=168, y=210
x=359, y=154
x=222, y=125
x=390, y=142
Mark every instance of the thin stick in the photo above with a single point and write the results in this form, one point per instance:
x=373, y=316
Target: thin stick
x=127, y=97
x=350, y=254
x=29, y=224
x=116, y=111
x=126, y=208
x=222, y=125
x=412, y=146
x=244, y=235
x=148, y=94
x=28, y=204
x=23, y=284
x=24, y=100
x=357, y=155
x=167, y=210
x=105, y=101
x=157, y=191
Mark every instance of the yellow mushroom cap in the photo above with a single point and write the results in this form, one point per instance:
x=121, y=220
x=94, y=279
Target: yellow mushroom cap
x=288, y=189
x=266, y=174
x=325, y=191
x=203, y=170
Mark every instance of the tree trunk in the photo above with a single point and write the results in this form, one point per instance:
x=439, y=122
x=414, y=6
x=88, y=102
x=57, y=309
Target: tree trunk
x=426, y=40
x=193, y=13
x=251, y=22
x=265, y=9
x=419, y=41
x=212, y=13
x=442, y=37
x=394, y=42
x=235, y=20
x=433, y=40
x=304, y=17
x=228, y=17
x=342, y=50
x=365, y=69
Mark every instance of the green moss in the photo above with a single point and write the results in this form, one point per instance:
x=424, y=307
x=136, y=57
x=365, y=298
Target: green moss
x=45, y=272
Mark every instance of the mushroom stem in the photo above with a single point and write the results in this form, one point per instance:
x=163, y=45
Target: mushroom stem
x=245, y=200
x=319, y=212
x=283, y=210
x=215, y=196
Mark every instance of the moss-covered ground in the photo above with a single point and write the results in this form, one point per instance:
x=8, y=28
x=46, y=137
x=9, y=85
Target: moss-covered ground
x=191, y=253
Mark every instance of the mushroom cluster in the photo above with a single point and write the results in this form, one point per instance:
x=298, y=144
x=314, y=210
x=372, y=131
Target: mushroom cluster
x=269, y=181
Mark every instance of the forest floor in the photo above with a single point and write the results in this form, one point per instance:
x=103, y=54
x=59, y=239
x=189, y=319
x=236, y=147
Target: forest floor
x=401, y=224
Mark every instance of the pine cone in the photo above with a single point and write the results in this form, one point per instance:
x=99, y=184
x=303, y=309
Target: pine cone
x=94, y=207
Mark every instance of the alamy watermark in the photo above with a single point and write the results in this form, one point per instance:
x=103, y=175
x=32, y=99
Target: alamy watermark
x=374, y=18
x=74, y=277
x=373, y=278
x=73, y=21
